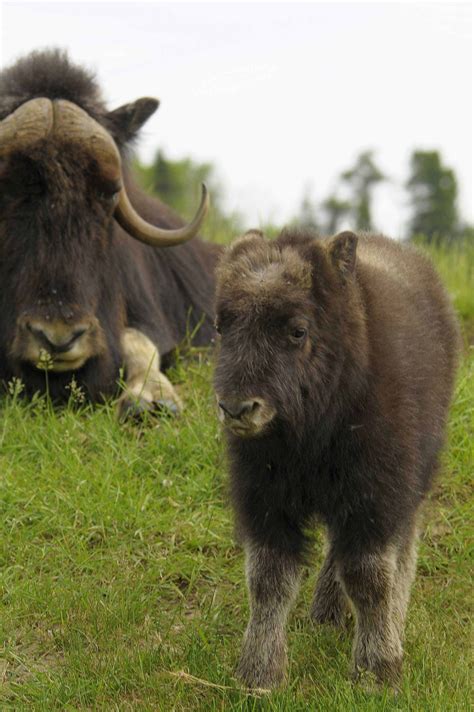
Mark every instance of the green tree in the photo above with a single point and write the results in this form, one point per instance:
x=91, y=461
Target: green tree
x=324, y=218
x=178, y=184
x=432, y=189
x=307, y=216
x=362, y=178
x=335, y=210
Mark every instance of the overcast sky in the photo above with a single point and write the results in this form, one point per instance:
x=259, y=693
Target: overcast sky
x=280, y=96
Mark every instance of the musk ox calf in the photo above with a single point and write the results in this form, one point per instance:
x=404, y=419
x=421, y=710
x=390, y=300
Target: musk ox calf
x=334, y=376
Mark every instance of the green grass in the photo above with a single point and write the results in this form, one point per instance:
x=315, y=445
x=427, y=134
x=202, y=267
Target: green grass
x=119, y=570
x=456, y=267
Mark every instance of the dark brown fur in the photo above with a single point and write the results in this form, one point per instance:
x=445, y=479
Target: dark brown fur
x=63, y=256
x=334, y=376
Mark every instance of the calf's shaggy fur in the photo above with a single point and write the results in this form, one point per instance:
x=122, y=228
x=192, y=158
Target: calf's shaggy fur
x=334, y=375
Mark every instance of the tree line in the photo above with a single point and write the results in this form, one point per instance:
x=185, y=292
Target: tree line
x=431, y=188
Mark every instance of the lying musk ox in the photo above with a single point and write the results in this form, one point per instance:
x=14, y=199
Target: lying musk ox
x=334, y=376
x=85, y=286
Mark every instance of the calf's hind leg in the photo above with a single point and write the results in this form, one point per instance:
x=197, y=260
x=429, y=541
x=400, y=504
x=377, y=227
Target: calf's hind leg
x=329, y=600
x=146, y=387
x=369, y=581
x=272, y=580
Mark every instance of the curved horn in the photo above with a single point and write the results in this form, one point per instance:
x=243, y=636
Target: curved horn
x=156, y=236
x=40, y=117
x=26, y=126
x=72, y=123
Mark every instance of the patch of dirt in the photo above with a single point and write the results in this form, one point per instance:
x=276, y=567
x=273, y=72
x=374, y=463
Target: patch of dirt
x=34, y=655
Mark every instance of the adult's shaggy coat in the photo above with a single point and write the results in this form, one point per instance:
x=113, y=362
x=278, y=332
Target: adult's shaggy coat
x=334, y=376
x=77, y=284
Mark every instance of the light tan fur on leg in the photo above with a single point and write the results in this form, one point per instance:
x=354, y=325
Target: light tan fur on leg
x=272, y=580
x=146, y=386
x=370, y=586
x=404, y=576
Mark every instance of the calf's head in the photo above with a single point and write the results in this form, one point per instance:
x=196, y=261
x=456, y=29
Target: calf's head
x=290, y=330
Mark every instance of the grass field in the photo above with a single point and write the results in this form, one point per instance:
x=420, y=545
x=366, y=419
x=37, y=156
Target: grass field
x=122, y=586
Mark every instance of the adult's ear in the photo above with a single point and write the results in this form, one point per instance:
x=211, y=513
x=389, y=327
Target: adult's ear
x=342, y=251
x=127, y=120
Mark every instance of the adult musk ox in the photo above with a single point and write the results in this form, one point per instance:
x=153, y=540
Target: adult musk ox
x=85, y=284
x=334, y=376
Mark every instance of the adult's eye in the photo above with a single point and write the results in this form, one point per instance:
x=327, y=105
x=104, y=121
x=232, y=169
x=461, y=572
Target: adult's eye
x=107, y=190
x=109, y=196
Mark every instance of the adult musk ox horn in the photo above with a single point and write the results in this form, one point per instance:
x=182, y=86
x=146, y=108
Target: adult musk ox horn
x=26, y=126
x=143, y=231
x=71, y=123
x=39, y=118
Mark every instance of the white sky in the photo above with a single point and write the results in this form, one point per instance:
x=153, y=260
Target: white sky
x=280, y=96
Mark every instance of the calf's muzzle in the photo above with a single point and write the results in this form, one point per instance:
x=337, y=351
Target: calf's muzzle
x=246, y=418
x=236, y=409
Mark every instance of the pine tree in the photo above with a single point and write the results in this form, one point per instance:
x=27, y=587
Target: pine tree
x=362, y=178
x=433, y=191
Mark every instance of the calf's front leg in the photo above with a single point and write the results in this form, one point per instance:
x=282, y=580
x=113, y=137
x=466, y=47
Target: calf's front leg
x=368, y=580
x=272, y=580
x=406, y=568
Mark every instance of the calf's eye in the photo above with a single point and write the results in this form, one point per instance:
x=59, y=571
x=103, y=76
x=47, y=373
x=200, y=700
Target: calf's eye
x=299, y=334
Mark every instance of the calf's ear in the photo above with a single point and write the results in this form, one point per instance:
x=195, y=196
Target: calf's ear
x=342, y=251
x=127, y=120
x=242, y=243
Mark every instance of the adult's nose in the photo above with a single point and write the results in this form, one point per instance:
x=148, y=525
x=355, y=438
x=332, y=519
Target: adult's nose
x=57, y=337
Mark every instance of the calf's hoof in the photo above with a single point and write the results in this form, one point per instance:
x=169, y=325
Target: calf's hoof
x=381, y=672
x=256, y=672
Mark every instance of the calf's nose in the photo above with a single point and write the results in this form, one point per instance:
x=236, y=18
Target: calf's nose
x=236, y=409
